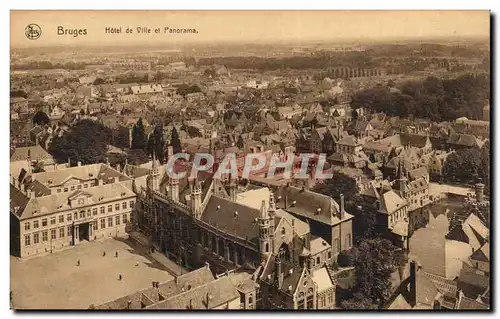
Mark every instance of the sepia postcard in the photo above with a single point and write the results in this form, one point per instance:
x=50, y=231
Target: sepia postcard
x=250, y=160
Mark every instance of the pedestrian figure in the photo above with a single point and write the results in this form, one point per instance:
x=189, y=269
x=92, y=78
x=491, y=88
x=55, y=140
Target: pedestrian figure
x=78, y=262
x=136, y=263
x=104, y=254
x=116, y=254
x=120, y=277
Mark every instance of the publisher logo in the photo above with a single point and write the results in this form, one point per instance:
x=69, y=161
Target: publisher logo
x=33, y=31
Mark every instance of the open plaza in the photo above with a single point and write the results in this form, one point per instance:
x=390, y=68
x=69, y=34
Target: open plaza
x=55, y=281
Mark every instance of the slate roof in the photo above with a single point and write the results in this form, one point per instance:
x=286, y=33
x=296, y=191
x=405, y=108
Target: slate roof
x=307, y=204
x=221, y=213
x=471, y=304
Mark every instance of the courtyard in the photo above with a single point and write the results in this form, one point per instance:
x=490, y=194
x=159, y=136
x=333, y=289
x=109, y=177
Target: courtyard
x=56, y=281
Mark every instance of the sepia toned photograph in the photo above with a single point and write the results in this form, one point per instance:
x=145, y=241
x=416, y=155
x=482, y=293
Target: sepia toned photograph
x=250, y=160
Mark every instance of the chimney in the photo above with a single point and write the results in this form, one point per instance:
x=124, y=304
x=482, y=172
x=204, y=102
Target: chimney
x=413, y=284
x=479, y=187
x=79, y=163
x=342, y=210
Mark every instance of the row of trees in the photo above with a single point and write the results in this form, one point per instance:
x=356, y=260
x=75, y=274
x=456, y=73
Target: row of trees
x=155, y=142
x=439, y=100
x=49, y=65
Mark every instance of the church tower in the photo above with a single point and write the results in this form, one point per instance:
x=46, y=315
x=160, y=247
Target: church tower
x=402, y=181
x=153, y=179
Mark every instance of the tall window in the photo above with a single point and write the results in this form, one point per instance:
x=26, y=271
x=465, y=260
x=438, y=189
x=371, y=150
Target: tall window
x=348, y=241
x=76, y=215
x=117, y=206
x=35, y=224
x=44, y=222
x=52, y=220
x=131, y=204
x=117, y=220
x=103, y=223
x=27, y=240
x=70, y=231
x=94, y=211
x=102, y=210
x=36, y=238
x=110, y=208
x=336, y=246
x=124, y=205
x=68, y=217
x=110, y=221
x=53, y=234
x=124, y=220
x=82, y=214
x=61, y=232
x=27, y=226
x=61, y=218
x=44, y=235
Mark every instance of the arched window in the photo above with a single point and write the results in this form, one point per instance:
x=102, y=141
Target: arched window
x=283, y=231
x=267, y=247
x=250, y=300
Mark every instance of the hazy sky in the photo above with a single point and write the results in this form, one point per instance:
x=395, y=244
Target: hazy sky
x=245, y=25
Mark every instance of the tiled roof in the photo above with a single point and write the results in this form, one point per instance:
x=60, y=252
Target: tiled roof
x=35, y=153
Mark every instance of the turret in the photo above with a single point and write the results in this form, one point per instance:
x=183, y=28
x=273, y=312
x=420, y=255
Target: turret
x=265, y=244
x=195, y=196
x=233, y=185
x=153, y=179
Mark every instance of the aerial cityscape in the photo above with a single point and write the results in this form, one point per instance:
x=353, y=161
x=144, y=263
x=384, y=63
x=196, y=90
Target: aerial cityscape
x=270, y=169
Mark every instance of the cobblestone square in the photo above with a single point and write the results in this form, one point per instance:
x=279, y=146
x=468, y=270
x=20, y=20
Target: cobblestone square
x=55, y=281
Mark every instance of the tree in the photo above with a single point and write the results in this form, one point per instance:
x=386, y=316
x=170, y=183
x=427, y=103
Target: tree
x=463, y=166
x=354, y=115
x=485, y=165
x=87, y=141
x=358, y=302
x=139, y=138
x=98, y=81
x=157, y=143
x=175, y=141
x=374, y=260
x=340, y=184
x=41, y=118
